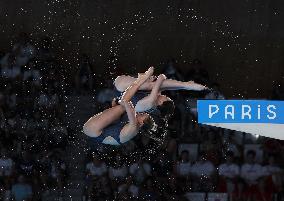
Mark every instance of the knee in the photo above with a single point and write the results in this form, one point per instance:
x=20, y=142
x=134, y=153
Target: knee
x=89, y=130
x=118, y=83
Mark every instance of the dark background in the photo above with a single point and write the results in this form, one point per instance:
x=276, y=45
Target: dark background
x=240, y=42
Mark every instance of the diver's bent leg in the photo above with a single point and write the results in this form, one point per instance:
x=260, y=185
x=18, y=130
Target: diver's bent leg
x=94, y=126
x=122, y=82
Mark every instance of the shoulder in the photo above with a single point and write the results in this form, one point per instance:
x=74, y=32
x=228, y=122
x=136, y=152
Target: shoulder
x=144, y=105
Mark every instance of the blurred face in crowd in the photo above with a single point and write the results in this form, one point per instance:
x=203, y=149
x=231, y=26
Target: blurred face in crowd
x=3, y=153
x=185, y=156
x=229, y=159
x=250, y=158
x=96, y=161
x=271, y=160
x=11, y=61
x=21, y=179
x=149, y=184
x=2, y=101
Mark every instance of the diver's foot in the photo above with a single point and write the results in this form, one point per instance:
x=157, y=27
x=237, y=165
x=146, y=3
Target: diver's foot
x=143, y=77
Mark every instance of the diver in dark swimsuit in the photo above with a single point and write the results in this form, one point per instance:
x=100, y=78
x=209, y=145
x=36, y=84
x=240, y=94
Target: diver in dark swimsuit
x=120, y=123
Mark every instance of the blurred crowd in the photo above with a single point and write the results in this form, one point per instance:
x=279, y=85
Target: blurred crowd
x=194, y=158
x=33, y=136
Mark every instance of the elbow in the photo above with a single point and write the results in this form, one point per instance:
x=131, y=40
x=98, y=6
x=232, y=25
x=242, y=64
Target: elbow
x=86, y=129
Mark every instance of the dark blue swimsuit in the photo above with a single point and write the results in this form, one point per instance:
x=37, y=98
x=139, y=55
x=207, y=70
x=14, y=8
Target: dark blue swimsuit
x=114, y=129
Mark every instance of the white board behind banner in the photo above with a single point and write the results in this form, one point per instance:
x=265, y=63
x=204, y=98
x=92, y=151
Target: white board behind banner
x=217, y=197
x=195, y=196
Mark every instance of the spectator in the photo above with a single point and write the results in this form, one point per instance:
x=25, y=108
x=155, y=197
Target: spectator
x=172, y=189
x=129, y=189
x=118, y=173
x=22, y=190
x=5, y=192
x=183, y=166
x=229, y=174
x=140, y=171
x=94, y=170
x=26, y=165
x=203, y=174
x=149, y=191
x=272, y=177
x=44, y=53
x=31, y=74
x=11, y=70
x=57, y=172
x=211, y=146
x=57, y=135
x=182, y=170
x=162, y=166
x=96, y=167
x=231, y=145
x=104, y=190
x=251, y=173
x=23, y=50
x=6, y=167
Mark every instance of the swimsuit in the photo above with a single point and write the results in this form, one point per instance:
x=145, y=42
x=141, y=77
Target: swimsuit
x=114, y=129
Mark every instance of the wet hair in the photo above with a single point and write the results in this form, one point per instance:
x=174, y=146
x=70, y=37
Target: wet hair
x=167, y=108
x=148, y=125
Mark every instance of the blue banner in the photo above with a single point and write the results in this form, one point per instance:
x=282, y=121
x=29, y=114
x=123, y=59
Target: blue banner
x=240, y=111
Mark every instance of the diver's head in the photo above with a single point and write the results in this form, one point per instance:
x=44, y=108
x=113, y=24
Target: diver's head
x=141, y=117
x=145, y=121
x=165, y=105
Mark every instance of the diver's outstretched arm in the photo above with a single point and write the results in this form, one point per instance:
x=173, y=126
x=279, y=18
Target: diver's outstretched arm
x=156, y=89
x=149, y=101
